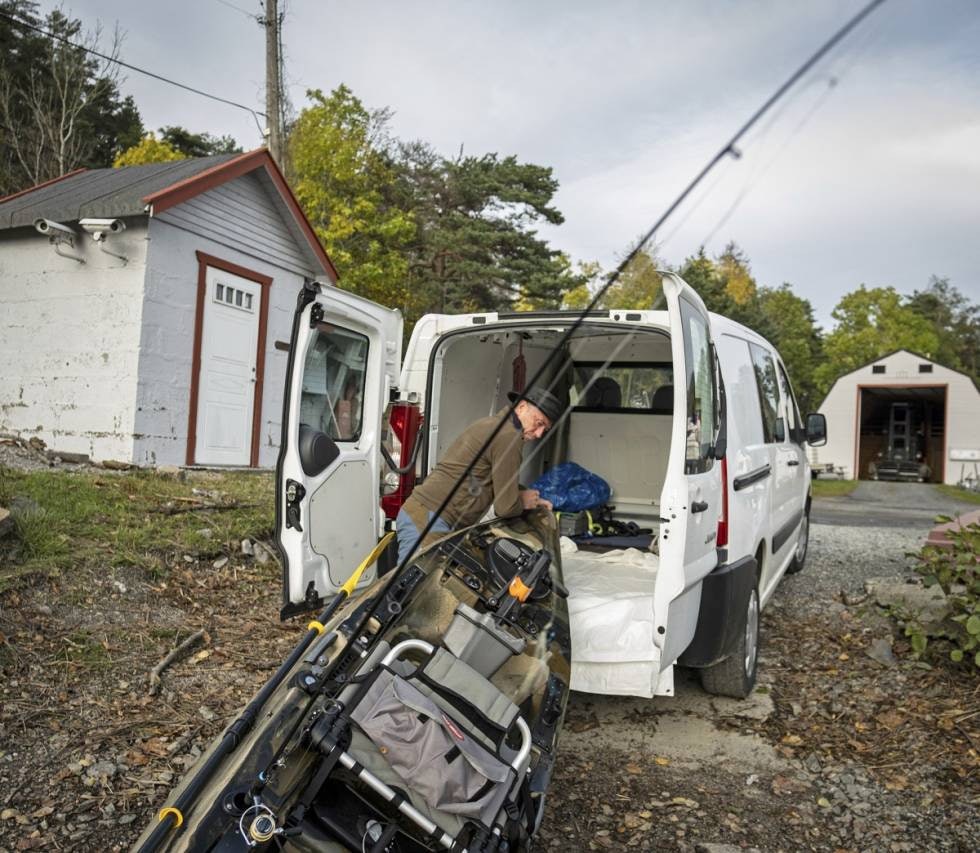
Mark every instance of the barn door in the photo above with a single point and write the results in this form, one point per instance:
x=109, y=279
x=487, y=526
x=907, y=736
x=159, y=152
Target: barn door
x=229, y=370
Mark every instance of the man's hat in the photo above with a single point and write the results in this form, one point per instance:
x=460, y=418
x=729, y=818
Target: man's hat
x=551, y=407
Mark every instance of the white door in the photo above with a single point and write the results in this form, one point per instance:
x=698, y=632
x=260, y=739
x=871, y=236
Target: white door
x=344, y=358
x=226, y=383
x=690, y=504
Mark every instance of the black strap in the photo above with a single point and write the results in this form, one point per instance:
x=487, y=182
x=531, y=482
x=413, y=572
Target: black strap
x=484, y=789
x=452, y=755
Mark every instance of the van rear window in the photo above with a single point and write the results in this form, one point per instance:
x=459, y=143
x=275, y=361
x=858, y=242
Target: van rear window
x=631, y=386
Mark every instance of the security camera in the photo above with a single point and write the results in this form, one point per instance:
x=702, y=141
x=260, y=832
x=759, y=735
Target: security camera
x=53, y=229
x=101, y=226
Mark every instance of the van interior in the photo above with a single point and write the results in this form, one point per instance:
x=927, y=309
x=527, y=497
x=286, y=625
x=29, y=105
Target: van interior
x=618, y=379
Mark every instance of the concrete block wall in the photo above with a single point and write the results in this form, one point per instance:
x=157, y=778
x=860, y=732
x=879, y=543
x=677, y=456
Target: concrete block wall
x=69, y=341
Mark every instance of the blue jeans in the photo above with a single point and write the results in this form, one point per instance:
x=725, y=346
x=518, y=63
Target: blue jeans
x=408, y=533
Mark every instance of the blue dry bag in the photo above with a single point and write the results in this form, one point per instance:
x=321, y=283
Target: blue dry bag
x=571, y=488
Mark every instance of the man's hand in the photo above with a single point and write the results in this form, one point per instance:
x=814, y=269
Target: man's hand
x=531, y=499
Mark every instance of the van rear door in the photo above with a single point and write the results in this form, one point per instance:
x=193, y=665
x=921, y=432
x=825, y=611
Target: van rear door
x=691, y=500
x=344, y=358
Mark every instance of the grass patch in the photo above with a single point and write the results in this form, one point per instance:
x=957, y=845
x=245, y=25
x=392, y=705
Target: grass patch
x=959, y=493
x=76, y=519
x=832, y=488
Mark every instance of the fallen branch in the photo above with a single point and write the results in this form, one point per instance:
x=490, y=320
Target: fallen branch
x=174, y=510
x=175, y=655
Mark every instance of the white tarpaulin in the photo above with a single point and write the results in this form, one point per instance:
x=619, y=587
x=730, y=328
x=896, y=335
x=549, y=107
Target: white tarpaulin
x=610, y=611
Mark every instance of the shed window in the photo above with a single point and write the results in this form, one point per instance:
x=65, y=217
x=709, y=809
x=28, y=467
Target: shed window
x=878, y=368
x=925, y=368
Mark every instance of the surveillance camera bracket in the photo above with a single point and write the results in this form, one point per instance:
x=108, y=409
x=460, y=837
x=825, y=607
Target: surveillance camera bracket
x=57, y=241
x=99, y=237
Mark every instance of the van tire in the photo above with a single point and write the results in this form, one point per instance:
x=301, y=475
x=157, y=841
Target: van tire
x=735, y=675
x=802, y=545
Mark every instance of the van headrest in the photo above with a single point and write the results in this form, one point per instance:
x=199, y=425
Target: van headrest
x=663, y=400
x=604, y=393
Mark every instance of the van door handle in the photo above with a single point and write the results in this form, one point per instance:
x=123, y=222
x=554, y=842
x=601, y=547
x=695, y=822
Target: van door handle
x=793, y=462
x=699, y=506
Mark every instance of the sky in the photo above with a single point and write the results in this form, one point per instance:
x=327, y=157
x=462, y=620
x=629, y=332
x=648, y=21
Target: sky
x=868, y=174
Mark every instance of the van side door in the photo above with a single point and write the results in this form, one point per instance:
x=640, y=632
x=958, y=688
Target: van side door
x=691, y=500
x=344, y=359
x=792, y=473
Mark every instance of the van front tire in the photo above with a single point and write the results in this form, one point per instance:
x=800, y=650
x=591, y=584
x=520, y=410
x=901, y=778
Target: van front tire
x=735, y=675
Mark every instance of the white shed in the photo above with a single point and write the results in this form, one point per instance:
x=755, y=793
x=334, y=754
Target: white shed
x=161, y=338
x=904, y=405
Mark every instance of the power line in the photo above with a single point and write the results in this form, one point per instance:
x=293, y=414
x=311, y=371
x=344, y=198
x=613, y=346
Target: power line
x=255, y=113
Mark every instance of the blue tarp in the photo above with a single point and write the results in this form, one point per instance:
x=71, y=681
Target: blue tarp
x=571, y=488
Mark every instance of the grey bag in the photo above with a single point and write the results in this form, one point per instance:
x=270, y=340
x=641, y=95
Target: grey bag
x=430, y=751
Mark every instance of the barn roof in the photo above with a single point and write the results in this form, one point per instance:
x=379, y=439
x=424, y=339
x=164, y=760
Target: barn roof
x=881, y=358
x=149, y=190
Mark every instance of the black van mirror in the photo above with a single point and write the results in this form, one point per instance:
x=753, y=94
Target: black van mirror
x=816, y=429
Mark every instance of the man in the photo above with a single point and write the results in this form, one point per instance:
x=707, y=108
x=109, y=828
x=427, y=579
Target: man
x=493, y=480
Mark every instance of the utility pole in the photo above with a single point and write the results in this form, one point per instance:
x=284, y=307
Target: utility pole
x=273, y=79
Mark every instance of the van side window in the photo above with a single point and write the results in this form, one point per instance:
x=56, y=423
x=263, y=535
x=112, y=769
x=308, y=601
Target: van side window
x=773, y=427
x=702, y=415
x=333, y=382
x=792, y=410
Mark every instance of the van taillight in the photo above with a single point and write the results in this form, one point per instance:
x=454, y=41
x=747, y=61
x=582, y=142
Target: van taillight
x=405, y=420
x=722, y=539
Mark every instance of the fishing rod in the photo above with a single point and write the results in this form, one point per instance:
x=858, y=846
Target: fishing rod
x=728, y=149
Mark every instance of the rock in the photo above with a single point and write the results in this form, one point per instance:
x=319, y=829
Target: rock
x=220, y=563
x=101, y=768
x=927, y=605
x=717, y=848
x=205, y=532
x=116, y=465
x=172, y=471
x=35, y=443
x=44, y=610
x=206, y=713
x=126, y=819
x=248, y=549
x=74, y=458
x=120, y=587
x=881, y=651
x=262, y=553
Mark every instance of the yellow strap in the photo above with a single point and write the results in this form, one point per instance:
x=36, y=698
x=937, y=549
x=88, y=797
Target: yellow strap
x=369, y=561
x=175, y=812
x=316, y=626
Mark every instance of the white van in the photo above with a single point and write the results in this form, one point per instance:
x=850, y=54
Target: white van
x=688, y=416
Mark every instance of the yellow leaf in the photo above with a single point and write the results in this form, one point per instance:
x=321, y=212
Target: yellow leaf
x=663, y=762
x=792, y=740
x=635, y=769
x=201, y=655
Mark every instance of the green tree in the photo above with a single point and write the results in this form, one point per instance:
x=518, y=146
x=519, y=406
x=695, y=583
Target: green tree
x=198, y=144
x=149, y=150
x=475, y=247
x=60, y=108
x=639, y=285
x=956, y=322
x=795, y=334
x=590, y=279
x=871, y=322
x=343, y=176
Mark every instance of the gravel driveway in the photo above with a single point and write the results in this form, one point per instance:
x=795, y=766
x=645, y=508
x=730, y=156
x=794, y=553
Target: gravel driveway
x=835, y=752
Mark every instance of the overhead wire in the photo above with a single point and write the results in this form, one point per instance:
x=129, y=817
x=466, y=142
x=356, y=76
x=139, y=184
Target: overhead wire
x=728, y=149
x=115, y=60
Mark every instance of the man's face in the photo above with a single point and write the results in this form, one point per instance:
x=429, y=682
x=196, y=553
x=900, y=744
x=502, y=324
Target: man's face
x=534, y=423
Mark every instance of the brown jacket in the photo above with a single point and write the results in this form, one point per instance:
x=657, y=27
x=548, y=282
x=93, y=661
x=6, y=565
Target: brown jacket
x=492, y=480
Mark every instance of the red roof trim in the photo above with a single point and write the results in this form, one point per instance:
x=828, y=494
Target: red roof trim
x=45, y=184
x=235, y=168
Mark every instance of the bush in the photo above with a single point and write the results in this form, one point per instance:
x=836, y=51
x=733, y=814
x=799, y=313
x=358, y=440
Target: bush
x=957, y=571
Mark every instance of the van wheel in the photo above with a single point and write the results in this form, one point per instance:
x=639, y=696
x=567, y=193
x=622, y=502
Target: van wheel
x=735, y=675
x=802, y=543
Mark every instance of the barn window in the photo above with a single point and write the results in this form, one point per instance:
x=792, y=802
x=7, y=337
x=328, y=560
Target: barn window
x=878, y=368
x=925, y=368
